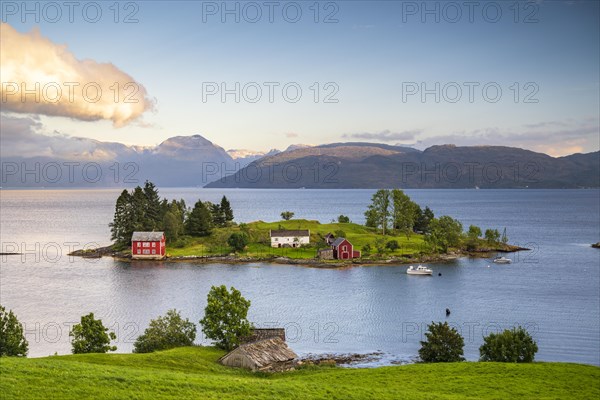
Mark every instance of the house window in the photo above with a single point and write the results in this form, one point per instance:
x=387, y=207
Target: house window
x=146, y=244
x=153, y=251
x=276, y=239
x=153, y=244
x=146, y=252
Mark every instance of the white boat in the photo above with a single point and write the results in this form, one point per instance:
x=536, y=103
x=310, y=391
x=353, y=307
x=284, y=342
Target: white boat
x=420, y=270
x=502, y=260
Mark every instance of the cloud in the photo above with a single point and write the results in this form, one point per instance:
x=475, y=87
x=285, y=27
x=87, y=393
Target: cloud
x=291, y=135
x=41, y=77
x=555, y=138
x=385, y=136
x=24, y=137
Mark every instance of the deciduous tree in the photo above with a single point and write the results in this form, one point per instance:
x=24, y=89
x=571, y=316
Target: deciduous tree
x=12, y=339
x=442, y=344
x=166, y=332
x=90, y=336
x=225, y=317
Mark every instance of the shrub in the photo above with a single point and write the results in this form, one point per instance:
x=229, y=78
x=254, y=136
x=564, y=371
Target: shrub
x=12, y=339
x=343, y=219
x=443, y=344
x=339, y=233
x=392, y=245
x=515, y=345
x=225, y=317
x=166, y=332
x=238, y=241
x=366, y=249
x=90, y=336
x=287, y=215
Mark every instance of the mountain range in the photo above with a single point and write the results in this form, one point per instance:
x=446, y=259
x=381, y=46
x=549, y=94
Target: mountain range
x=193, y=161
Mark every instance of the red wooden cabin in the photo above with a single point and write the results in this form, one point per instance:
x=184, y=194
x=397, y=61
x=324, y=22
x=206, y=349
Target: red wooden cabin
x=148, y=245
x=343, y=249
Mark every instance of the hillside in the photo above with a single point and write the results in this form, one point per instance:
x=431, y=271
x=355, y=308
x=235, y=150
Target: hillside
x=368, y=165
x=192, y=372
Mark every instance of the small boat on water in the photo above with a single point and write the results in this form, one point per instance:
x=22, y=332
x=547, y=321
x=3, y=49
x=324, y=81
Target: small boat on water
x=420, y=270
x=502, y=260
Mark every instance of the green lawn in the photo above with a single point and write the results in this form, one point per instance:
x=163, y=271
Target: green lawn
x=259, y=246
x=192, y=372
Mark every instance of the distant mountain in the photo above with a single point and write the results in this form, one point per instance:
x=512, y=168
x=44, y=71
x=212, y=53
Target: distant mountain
x=369, y=165
x=194, y=161
x=79, y=162
x=245, y=157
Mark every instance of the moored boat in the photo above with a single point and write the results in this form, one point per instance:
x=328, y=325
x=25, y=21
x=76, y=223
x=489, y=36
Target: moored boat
x=502, y=260
x=420, y=270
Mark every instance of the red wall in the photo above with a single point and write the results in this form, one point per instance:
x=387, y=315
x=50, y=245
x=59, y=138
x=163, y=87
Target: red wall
x=138, y=248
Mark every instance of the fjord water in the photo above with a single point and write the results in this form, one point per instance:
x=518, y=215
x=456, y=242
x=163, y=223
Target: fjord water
x=553, y=290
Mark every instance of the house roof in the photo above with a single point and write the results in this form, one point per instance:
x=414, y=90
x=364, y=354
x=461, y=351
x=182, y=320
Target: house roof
x=338, y=241
x=264, y=352
x=147, y=236
x=286, y=233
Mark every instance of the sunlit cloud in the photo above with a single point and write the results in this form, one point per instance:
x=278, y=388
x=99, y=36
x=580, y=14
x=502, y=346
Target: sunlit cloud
x=384, y=136
x=41, y=77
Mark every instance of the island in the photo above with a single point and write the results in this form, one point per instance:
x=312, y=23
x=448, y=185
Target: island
x=397, y=231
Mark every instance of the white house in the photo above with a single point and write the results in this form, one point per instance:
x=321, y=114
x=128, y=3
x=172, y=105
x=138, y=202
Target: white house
x=285, y=238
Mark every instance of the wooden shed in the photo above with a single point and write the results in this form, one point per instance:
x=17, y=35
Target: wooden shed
x=265, y=355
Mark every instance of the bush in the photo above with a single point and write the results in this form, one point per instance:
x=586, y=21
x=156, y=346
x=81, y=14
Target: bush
x=238, y=241
x=515, y=345
x=343, y=219
x=366, y=249
x=443, y=344
x=166, y=332
x=12, y=339
x=339, y=233
x=287, y=215
x=225, y=317
x=90, y=336
x=392, y=245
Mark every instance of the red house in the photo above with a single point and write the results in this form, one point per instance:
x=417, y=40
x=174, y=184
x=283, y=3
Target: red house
x=148, y=245
x=343, y=249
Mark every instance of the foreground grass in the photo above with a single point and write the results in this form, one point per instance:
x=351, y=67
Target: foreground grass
x=192, y=372
x=259, y=246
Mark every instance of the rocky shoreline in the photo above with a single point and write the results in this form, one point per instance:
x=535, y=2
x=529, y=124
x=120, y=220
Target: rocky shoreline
x=125, y=255
x=596, y=245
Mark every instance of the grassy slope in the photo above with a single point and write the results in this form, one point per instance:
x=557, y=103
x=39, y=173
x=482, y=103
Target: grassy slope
x=259, y=234
x=193, y=373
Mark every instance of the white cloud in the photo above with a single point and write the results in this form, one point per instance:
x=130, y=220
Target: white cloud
x=55, y=81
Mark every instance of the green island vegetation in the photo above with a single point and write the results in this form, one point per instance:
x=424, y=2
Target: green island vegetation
x=396, y=229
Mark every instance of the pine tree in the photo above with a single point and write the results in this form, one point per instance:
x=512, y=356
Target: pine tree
x=226, y=210
x=199, y=222
x=153, y=217
x=217, y=214
x=122, y=226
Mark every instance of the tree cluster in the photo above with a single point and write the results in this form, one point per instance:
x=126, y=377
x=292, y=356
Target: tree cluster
x=143, y=210
x=445, y=344
x=394, y=209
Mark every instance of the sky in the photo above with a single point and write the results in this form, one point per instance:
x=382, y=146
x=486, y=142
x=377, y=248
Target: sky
x=522, y=74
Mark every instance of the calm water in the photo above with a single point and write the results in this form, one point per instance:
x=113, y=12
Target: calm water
x=553, y=289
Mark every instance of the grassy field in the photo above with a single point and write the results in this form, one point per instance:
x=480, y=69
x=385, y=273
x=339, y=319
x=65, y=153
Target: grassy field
x=259, y=246
x=192, y=372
